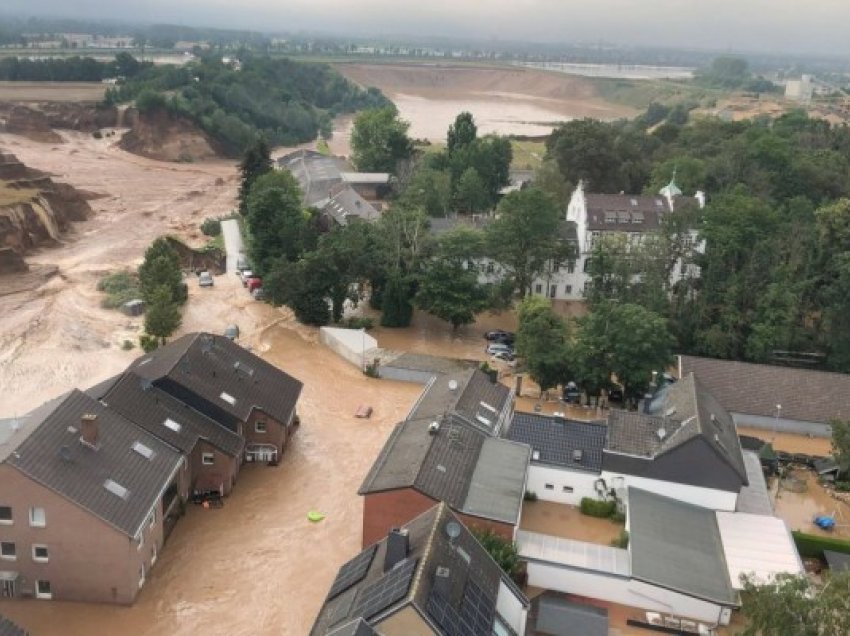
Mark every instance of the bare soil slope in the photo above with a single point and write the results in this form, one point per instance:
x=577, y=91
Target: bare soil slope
x=163, y=137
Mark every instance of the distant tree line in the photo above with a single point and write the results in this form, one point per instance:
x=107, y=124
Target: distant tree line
x=67, y=69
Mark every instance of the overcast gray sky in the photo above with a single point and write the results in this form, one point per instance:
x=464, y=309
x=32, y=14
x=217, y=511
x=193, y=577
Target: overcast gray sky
x=818, y=26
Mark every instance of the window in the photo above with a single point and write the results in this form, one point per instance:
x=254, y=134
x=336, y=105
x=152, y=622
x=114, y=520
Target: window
x=538, y=288
x=37, y=517
x=141, y=541
x=152, y=520
x=39, y=553
x=556, y=267
x=8, y=551
x=260, y=427
x=491, y=268
x=549, y=486
x=567, y=489
x=171, y=424
x=587, y=265
x=227, y=398
x=153, y=554
x=116, y=489
x=569, y=289
x=143, y=450
x=571, y=267
x=42, y=590
x=6, y=515
x=208, y=459
x=552, y=291
x=141, y=575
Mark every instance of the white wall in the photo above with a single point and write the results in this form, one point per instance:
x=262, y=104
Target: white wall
x=706, y=497
x=511, y=609
x=582, y=484
x=621, y=590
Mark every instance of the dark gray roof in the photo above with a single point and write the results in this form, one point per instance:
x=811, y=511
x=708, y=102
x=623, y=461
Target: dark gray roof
x=102, y=388
x=756, y=389
x=8, y=628
x=837, y=561
x=149, y=407
x=630, y=212
x=357, y=627
x=554, y=440
x=560, y=617
x=677, y=546
x=346, y=205
x=441, y=225
x=448, y=466
x=81, y=473
x=468, y=598
x=680, y=413
x=431, y=364
x=469, y=395
x=202, y=369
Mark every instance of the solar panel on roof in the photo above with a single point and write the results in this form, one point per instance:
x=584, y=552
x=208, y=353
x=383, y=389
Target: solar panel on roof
x=388, y=589
x=352, y=572
x=474, y=617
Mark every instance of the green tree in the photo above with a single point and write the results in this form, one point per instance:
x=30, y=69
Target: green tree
x=841, y=443
x=162, y=315
x=490, y=156
x=397, y=308
x=379, y=140
x=626, y=340
x=524, y=236
x=543, y=341
x=161, y=268
x=430, y=189
x=255, y=162
x=277, y=226
x=471, y=194
x=504, y=552
x=462, y=132
x=797, y=605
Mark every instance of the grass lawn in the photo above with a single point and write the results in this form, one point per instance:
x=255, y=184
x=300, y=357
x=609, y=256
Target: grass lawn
x=639, y=93
x=528, y=155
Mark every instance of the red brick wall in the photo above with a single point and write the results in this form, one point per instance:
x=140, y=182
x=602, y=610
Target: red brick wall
x=504, y=530
x=223, y=469
x=392, y=509
x=277, y=433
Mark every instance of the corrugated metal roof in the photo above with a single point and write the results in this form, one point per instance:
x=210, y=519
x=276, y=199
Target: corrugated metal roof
x=79, y=472
x=677, y=546
x=577, y=554
x=757, y=545
x=497, y=486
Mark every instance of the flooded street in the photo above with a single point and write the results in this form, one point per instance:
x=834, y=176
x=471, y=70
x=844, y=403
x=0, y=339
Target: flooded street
x=789, y=442
x=798, y=509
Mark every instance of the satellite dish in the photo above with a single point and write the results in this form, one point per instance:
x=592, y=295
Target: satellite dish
x=661, y=433
x=453, y=530
x=452, y=385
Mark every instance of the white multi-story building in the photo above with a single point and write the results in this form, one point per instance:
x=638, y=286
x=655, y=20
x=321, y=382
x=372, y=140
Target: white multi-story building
x=592, y=216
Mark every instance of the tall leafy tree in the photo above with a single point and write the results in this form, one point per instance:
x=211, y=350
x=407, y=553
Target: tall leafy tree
x=543, y=342
x=277, y=225
x=462, y=132
x=256, y=162
x=626, y=340
x=379, y=140
x=525, y=236
x=161, y=268
x=471, y=195
x=162, y=314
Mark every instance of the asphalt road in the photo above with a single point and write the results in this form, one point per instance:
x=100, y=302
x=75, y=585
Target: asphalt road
x=232, y=243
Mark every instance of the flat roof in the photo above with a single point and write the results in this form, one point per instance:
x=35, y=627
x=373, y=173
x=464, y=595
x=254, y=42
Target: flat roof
x=757, y=545
x=754, y=497
x=576, y=554
x=498, y=481
x=560, y=617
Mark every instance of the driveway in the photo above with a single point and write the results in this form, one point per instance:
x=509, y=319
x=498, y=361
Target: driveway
x=233, y=244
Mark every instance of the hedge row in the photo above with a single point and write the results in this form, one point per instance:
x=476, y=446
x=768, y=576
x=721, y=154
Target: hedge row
x=811, y=545
x=596, y=508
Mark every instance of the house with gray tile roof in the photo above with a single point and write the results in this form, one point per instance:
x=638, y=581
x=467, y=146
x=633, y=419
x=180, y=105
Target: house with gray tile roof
x=85, y=490
x=429, y=576
x=344, y=205
x=228, y=384
x=775, y=398
x=213, y=451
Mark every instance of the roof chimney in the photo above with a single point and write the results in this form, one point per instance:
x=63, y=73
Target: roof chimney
x=90, y=431
x=397, y=547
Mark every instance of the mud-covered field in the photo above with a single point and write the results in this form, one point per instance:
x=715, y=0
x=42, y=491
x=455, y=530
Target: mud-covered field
x=51, y=91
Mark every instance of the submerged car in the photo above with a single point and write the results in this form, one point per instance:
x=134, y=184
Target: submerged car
x=205, y=279
x=493, y=349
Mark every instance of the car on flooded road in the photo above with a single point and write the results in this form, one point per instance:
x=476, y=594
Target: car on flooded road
x=205, y=279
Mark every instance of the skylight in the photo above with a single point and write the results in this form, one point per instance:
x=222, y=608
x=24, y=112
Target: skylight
x=174, y=426
x=227, y=398
x=116, y=489
x=143, y=450
x=145, y=361
x=488, y=407
x=483, y=420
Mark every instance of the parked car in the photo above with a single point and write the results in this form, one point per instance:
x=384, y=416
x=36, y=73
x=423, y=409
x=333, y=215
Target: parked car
x=497, y=347
x=205, y=279
x=255, y=282
x=242, y=263
x=258, y=293
x=244, y=275
x=498, y=334
x=507, y=356
x=571, y=394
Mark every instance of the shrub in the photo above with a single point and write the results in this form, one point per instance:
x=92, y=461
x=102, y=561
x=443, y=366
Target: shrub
x=810, y=545
x=119, y=287
x=359, y=322
x=372, y=370
x=622, y=540
x=504, y=552
x=597, y=508
x=148, y=343
x=529, y=495
x=211, y=227
x=97, y=134
x=618, y=517
x=842, y=486
x=126, y=345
